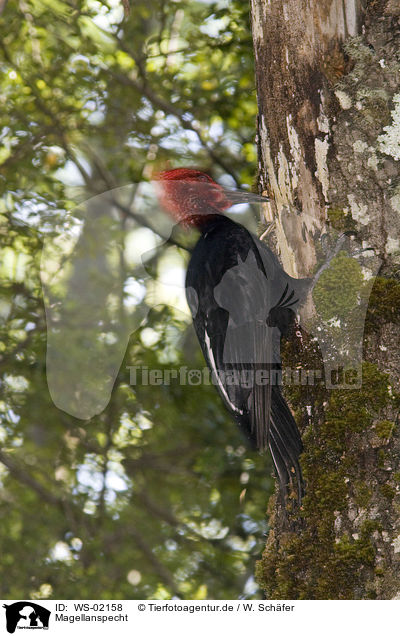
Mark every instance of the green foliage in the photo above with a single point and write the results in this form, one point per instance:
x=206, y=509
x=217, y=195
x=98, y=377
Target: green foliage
x=157, y=495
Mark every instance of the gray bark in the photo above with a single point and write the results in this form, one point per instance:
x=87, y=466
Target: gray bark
x=328, y=83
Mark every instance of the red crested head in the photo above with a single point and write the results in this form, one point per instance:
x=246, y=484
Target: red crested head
x=190, y=195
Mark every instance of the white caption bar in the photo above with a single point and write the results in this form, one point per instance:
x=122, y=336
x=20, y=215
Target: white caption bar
x=176, y=617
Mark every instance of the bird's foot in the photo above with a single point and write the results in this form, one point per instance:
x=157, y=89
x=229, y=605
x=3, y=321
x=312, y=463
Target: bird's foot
x=268, y=230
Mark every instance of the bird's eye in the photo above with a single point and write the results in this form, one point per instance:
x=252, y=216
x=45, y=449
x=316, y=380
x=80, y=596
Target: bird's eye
x=202, y=177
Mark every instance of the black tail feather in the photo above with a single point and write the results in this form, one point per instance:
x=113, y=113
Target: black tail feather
x=285, y=444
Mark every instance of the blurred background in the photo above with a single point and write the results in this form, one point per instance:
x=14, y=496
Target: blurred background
x=158, y=495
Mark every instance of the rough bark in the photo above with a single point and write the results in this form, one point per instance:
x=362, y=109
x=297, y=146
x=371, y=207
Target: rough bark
x=328, y=82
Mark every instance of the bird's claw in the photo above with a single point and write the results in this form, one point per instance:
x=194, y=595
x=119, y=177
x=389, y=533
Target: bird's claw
x=269, y=227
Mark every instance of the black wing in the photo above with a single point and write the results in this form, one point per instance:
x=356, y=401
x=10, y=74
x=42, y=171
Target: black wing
x=237, y=299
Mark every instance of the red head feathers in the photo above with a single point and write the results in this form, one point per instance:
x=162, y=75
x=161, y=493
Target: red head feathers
x=190, y=195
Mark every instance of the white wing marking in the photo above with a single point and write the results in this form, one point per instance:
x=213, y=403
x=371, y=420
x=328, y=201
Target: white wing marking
x=216, y=375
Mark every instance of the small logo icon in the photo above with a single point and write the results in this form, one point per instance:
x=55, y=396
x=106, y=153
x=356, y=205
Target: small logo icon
x=26, y=615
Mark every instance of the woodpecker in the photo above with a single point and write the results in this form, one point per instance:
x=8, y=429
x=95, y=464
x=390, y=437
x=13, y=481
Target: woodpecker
x=242, y=303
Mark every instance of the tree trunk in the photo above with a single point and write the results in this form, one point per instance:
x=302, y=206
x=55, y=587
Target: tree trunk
x=328, y=82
